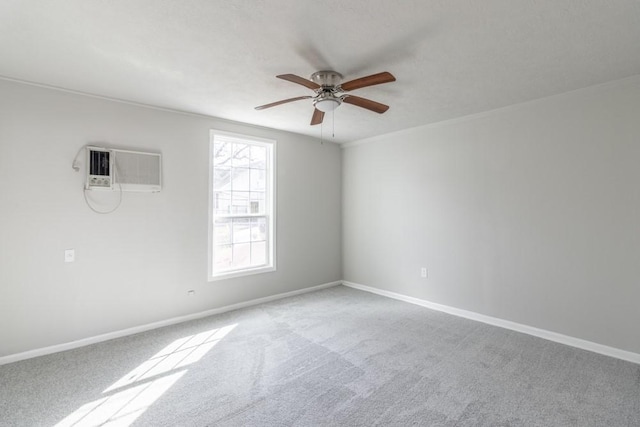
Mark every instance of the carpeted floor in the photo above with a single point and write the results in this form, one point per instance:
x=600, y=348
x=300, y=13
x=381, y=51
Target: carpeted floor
x=334, y=357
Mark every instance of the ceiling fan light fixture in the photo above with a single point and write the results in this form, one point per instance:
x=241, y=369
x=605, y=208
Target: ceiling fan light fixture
x=327, y=104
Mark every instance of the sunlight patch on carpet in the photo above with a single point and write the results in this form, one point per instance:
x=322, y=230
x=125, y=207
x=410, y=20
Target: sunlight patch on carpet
x=128, y=398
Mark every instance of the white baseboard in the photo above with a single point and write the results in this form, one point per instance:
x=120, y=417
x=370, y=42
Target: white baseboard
x=142, y=328
x=530, y=330
x=541, y=333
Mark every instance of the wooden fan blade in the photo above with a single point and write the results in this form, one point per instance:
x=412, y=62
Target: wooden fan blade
x=300, y=80
x=317, y=117
x=374, y=79
x=366, y=103
x=284, y=101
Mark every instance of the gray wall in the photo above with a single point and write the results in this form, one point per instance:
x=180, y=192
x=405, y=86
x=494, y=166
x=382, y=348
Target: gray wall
x=136, y=265
x=529, y=214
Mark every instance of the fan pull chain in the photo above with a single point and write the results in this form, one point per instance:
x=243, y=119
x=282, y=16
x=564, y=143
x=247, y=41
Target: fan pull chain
x=333, y=124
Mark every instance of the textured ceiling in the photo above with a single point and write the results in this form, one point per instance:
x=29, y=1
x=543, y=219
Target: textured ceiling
x=451, y=58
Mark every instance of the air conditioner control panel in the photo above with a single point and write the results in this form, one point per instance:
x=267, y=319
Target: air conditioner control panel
x=99, y=181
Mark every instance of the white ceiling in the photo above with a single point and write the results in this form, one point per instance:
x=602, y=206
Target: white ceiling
x=220, y=57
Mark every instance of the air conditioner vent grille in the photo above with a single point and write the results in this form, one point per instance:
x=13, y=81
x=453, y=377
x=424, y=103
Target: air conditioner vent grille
x=136, y=168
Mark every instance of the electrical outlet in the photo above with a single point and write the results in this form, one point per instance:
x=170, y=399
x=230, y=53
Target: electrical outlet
x=69, y=255
x=423, y=272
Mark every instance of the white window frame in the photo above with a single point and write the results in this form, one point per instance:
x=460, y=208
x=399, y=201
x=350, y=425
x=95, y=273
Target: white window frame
x=270, y=208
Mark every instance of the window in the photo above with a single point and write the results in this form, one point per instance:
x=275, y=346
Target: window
x=241, y=212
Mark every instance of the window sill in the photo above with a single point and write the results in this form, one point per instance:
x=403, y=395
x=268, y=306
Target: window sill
x=241, y=273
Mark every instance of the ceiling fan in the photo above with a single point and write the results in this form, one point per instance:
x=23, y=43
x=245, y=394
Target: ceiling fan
x=331, y=92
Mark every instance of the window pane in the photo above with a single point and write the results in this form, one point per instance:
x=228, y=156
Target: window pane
x=241, y=179
x=258, y=157
x=241, y=155
x=222, y=257
x=221, y=179
x=258, y=229
x=241, y=230
x=258, y=253
x=240, y=202
x=241, y=255
x=222, y=231
x=222, y=202
x=258, y=182
x=222, y=153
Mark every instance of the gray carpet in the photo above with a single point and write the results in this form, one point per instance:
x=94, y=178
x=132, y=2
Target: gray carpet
x=333, y=357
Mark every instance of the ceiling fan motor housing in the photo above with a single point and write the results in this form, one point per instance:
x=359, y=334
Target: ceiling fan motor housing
x=326, y=78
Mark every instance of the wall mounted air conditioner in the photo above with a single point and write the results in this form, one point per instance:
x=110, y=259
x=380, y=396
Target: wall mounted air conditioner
x=114, y=169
